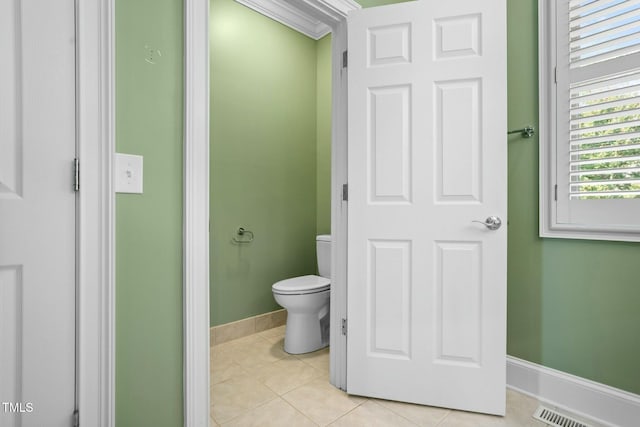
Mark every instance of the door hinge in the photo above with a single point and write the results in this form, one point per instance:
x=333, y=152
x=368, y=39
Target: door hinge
x=76, y=174
x=76, y=418
x=344, y=327
x=345, y=192
x=344, y=59
x=555, y=75
x=555, y=192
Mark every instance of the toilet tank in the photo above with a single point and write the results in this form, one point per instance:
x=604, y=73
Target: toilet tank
x=323, y=252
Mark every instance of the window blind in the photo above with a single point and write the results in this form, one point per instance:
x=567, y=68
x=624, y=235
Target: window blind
x=600, y=30
x=604, y=112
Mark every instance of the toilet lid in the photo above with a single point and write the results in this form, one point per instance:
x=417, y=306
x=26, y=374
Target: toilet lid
x=302, y=285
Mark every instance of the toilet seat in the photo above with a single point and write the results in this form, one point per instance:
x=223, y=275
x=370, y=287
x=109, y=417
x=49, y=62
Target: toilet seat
x=302, y=285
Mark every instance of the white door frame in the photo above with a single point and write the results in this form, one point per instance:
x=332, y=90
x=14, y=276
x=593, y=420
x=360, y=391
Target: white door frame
x=196, y=198
x=95, y=212
x=196, y=214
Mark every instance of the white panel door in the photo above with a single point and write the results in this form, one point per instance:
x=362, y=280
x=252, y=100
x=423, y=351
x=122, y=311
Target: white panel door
x=37, y=213
x=427, y=156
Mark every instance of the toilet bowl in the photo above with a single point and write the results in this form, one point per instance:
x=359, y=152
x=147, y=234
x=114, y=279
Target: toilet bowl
x=306, y=299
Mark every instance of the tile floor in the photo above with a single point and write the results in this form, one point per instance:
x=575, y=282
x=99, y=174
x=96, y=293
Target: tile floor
x=255, y=383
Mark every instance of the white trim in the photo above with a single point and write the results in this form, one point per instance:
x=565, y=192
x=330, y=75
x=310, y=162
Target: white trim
x=313, y=18
x=339, y=208
x=96, y=287
x=546, y=110
x=331, y=12
x=290, y=16
x=196, y=213
x=578, y=232
x=589, y=399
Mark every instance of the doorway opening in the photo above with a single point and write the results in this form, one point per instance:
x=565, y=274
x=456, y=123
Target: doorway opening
x=245, y=165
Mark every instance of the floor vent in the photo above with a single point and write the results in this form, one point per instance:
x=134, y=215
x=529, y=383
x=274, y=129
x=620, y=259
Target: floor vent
x=557, y=419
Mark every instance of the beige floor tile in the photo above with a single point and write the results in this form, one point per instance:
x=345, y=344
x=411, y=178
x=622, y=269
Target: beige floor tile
x=236, y=396
x=318, y=359
x=276, y=413
x=370, y=414
x=220, y=359
x=470, y=419
x=234, y=344
x=257, y=353
x=223, y=366
x=322, y=402
x=274, y=334
x=279, y=342
x=214, y=350
x=520, y=409
x=248, y=374
x=285, y=374
x=423, y=416
x=244, y=341
x=226, y=372
x=212, y=422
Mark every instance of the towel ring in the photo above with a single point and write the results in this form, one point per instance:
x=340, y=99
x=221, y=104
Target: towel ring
x=243, y=232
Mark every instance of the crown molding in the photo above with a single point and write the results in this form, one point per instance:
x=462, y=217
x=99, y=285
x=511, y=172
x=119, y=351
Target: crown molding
x=313, y=18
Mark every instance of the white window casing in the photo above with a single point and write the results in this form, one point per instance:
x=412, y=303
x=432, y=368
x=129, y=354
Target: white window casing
x=589, y=76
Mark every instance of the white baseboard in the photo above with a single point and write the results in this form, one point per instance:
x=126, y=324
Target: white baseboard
x=588, y=399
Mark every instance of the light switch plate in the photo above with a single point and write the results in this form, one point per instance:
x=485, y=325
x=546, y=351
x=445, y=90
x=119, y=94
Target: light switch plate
x=128, y=169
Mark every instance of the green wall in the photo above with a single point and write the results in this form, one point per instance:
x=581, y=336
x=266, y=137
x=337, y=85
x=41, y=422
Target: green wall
x=323, y=135
x=263, y=158
x=149, y=226
x=572, y=304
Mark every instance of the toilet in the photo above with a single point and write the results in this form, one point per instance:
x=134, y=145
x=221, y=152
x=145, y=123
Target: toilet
x=306, y=299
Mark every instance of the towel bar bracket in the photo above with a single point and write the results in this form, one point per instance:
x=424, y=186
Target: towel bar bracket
x=526, y=132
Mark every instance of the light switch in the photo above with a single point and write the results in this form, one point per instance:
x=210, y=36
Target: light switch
x=128, y=169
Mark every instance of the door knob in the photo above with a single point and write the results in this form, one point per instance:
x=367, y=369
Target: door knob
x=492, y=223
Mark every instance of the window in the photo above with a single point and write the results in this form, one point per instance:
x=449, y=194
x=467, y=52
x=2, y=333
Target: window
x=590, y=119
